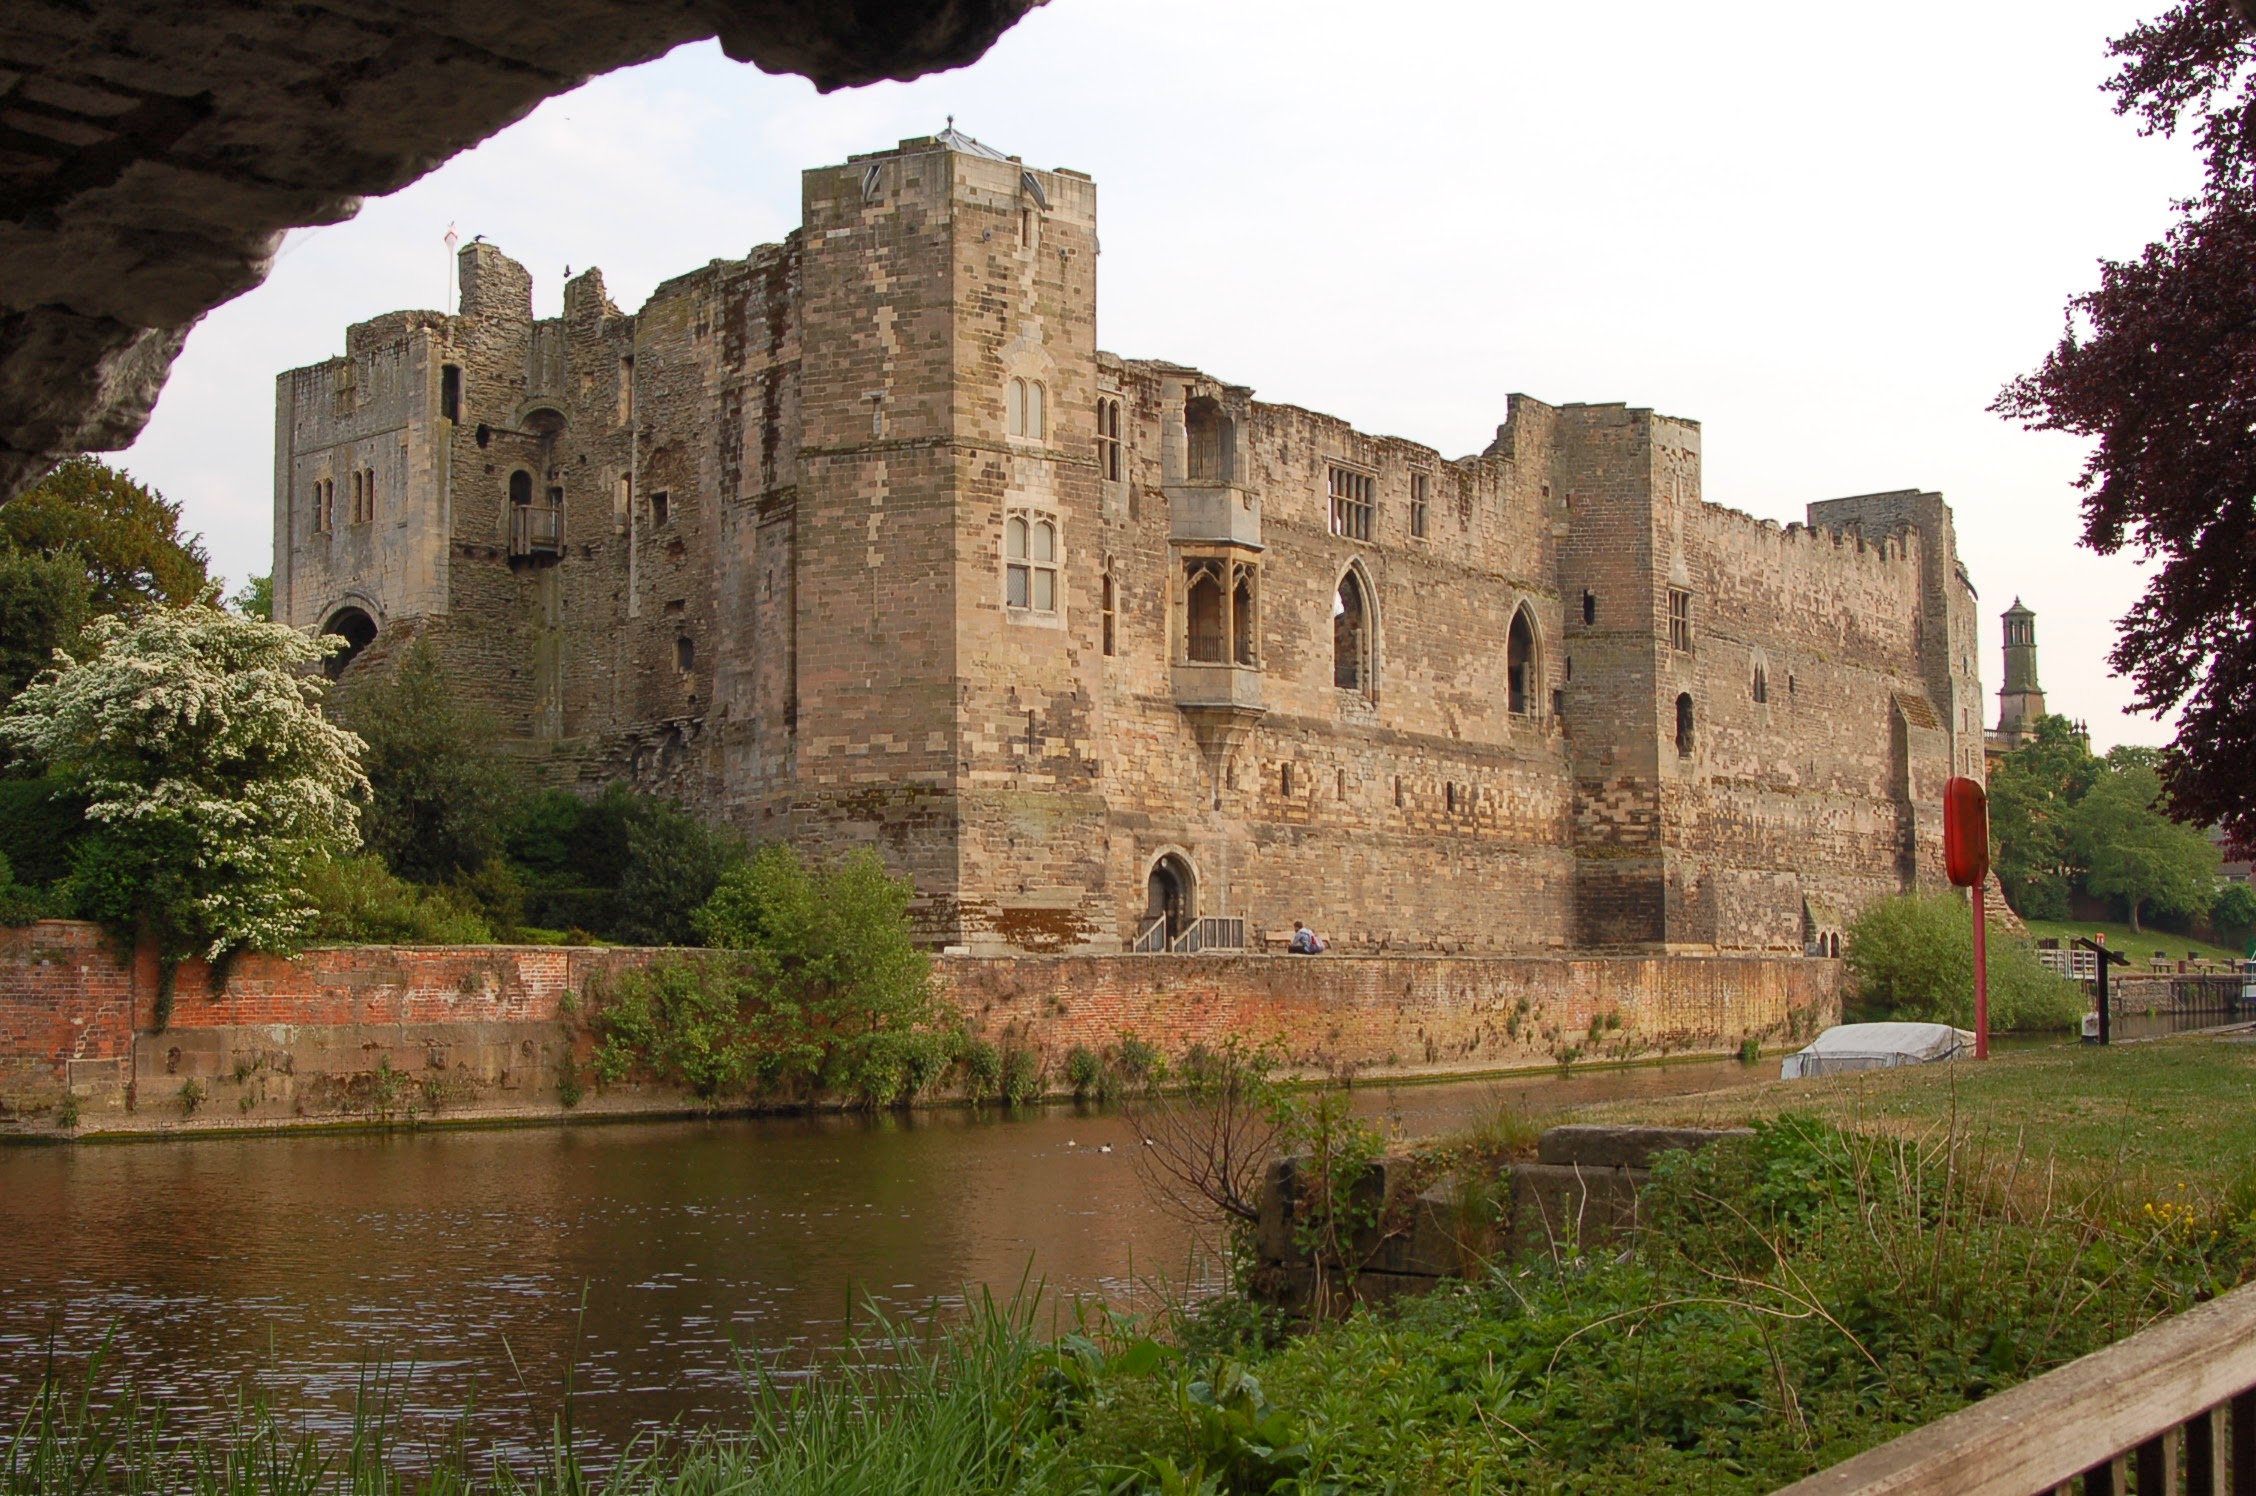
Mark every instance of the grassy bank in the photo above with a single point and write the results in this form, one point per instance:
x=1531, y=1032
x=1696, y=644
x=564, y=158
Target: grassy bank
x=2139, y=946
x=2162, y=1113
x=1875, y=1257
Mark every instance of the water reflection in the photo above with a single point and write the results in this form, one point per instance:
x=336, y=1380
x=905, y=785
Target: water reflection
x=649, y=1259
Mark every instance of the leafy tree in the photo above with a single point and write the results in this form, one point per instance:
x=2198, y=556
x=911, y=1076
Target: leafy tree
x=2234, y=913
x=255, y=599
x=1912, y=956
x=212, y=779
x=43, y=605
x=2031, y=793
x=625, y=866
x=2135, y=853
x=125, y=534
x=2158, y=367
x=674, y=864
x=439, y=790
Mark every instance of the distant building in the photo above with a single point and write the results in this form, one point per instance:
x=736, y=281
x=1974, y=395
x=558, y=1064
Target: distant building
x=863, y=540
x=2021, y=701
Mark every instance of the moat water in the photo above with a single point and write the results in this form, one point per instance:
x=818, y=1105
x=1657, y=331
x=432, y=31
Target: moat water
x=650, y=1261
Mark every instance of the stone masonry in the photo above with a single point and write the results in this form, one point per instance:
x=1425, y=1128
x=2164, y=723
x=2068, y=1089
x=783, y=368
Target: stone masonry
x=860, y=540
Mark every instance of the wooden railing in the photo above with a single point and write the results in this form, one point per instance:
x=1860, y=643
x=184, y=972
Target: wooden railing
x=1152, y=939
x=536, y=530
x=2171, y=1409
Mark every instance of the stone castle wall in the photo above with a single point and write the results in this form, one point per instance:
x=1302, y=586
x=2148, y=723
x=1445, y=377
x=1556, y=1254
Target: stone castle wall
x=394, y=1033
x=779, y=593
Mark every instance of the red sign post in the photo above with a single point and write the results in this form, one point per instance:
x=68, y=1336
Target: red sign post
x=1966, y=857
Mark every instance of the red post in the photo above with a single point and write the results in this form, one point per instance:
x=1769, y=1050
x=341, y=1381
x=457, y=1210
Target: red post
x=1981, y=979
x=1966, y=858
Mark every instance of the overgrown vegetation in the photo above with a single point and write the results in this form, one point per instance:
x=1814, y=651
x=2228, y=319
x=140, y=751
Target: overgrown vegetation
x=1912, y=956
x=356, y=899
x=1800, y=1296
x=815, y=988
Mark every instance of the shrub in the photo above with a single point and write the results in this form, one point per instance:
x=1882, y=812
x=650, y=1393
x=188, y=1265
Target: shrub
x=1022, y=1077
x=983, y=1070
x=357, y=900
x=823, y=989
x=40, y=821
x=628, y=867
x=1134, y=1059
x=1083, y=1071
x=681, y=1022
x=1912, y=957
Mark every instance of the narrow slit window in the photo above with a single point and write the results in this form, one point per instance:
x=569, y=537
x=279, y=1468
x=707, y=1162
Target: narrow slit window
x=450, y=393
x=661, y=509
x=1111, y=603
x=1762, y=684
x=1418, y=492
x=1589, y=607
x=1684, y=726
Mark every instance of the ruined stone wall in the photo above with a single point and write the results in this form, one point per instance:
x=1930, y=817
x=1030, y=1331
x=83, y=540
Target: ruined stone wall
x=1796, y=798
x=876, y=521
x=1410, y=811
x=783, y=597
x=368, y=412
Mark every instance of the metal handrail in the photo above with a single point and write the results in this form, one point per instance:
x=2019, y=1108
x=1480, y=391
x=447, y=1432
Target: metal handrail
x=1211, y=932
x=1152, y=939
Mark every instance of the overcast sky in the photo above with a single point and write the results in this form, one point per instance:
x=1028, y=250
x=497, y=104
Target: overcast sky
x=1828, y=233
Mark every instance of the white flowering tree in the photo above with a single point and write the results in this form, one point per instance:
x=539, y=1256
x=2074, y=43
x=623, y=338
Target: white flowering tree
x=211, y=776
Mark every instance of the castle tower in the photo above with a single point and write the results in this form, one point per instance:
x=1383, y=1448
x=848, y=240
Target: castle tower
x=947, y=516
x=2020, y=700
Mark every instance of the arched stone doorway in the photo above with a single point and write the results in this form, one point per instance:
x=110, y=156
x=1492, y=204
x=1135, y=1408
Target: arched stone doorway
x=357, y=629
x=1171, y=894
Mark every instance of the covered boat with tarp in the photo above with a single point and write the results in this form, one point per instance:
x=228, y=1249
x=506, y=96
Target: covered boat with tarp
x=1877, y=1046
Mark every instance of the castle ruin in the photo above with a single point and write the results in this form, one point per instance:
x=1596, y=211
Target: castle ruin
x=861, y=540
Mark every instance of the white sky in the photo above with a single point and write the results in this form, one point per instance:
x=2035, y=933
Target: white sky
x=1828, y=233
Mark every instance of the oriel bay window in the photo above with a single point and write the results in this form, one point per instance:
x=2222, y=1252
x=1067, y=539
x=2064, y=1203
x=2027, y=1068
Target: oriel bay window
x=1030, y=563
x=1221, y=611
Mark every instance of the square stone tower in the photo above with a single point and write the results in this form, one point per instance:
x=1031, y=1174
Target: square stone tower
x=946, y=491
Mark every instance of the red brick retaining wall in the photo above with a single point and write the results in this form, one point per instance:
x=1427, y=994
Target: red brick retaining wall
x=71, y=1002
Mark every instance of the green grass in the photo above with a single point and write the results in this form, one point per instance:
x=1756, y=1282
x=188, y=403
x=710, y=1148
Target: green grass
x=2164, y=1112
x=1798, y=1297
x=2139, y=947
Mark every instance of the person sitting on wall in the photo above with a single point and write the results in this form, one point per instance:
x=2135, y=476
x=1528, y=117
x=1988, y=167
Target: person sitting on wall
x=1305, y=942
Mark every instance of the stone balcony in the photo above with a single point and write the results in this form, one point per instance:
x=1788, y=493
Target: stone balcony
x=1218, y=687
x=1213, y=514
